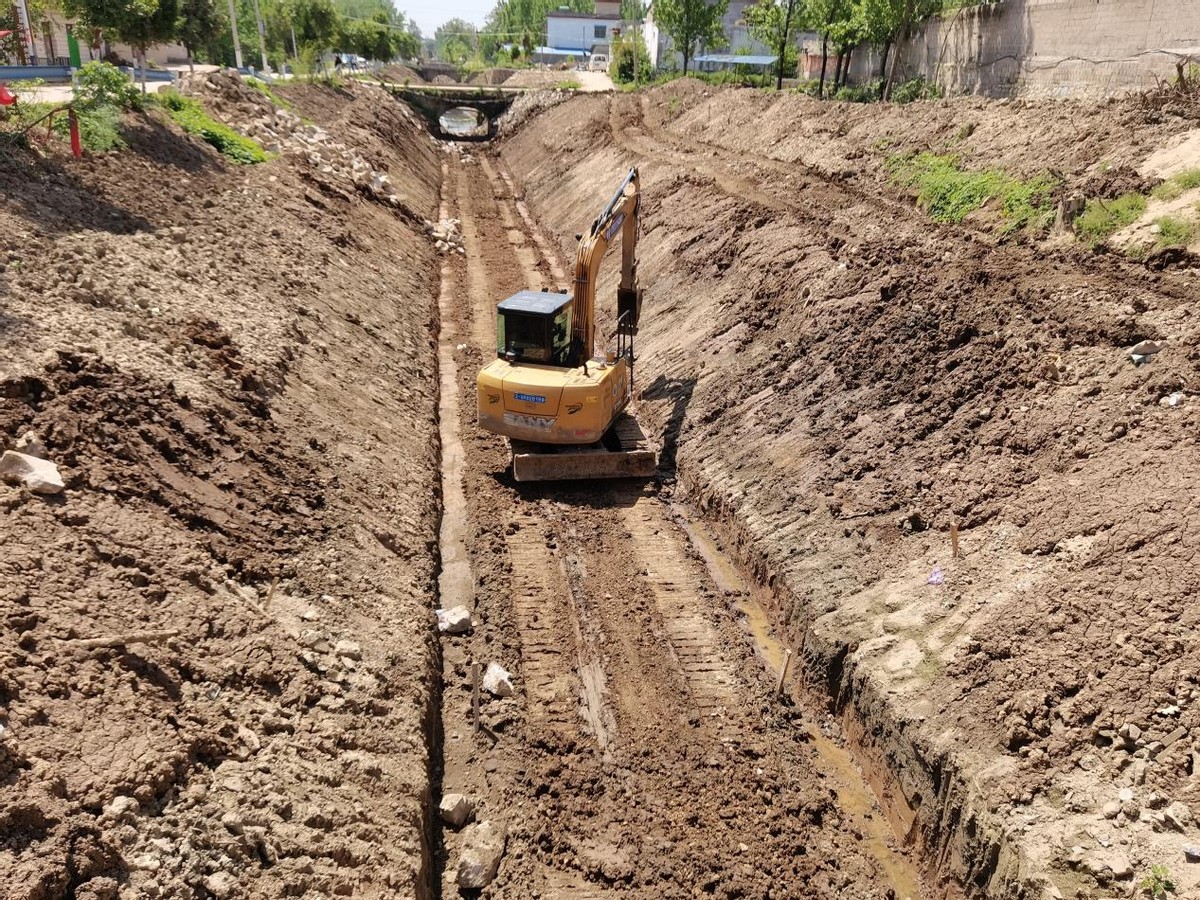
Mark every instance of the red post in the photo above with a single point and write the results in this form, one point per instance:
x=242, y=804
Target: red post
x=76, y=144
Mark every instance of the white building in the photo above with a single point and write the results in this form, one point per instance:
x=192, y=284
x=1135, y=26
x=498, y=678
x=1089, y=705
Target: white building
x=567, y=30
x=737, y=37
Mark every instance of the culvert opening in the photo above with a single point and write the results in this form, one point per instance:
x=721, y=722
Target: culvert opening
x=463, y=121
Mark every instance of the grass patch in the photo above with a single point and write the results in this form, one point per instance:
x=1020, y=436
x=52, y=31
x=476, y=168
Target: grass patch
x=950, y=193
x=1174, y=232
x=265, y=89
x=1101, y=219
x=567, y=84
x=1177, y=184
x=192, y=118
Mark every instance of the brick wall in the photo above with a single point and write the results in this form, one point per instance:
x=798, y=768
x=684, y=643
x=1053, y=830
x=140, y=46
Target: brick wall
x=1049, y=47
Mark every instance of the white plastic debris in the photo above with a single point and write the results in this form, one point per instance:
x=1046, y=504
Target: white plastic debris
x=456, y=620
x=497, y=681
x=1145, y=348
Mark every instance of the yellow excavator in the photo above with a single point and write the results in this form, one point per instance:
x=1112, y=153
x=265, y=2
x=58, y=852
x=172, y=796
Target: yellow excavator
x=562, y=405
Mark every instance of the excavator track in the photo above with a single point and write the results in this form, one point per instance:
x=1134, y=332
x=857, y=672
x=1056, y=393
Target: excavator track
x=625, y=452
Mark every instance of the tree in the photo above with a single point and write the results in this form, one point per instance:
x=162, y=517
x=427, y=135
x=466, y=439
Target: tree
x=199, y=20
x=889, y=21
x=770, y=23
x=511, y=20
x=453, y=42
x=824, y=16
x=139, y=23
x=630, y=60
x=691, y=23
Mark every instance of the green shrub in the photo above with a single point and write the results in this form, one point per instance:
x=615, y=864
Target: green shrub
x=1100, y=218
x=860, y=93
x=103, y=84
x=950, y=193
x=915, y=89
x=100, y=128
x=190, y=116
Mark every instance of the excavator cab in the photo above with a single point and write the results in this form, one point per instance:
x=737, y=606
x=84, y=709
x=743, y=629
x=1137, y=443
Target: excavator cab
x=535, y=327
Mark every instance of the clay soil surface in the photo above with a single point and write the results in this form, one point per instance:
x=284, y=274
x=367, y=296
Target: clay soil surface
x=220, y=674
x=232, y=369
x=645, y=753
x=840, y=381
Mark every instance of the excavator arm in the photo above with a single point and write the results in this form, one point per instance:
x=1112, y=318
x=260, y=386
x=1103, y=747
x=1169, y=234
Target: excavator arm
x=620, y=216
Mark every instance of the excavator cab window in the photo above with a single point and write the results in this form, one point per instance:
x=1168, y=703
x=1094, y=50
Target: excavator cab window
x=534, y=327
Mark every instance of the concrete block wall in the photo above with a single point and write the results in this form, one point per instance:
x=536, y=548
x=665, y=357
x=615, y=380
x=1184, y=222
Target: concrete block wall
x=1057, y=48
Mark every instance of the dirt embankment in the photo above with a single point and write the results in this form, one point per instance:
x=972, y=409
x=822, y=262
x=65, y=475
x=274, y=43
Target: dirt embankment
x=839, y=381
x=231, y=368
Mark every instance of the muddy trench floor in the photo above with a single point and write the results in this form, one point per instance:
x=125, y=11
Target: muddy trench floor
x=645, y=751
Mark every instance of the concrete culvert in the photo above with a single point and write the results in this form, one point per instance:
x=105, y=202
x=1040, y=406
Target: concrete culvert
x=463, y=121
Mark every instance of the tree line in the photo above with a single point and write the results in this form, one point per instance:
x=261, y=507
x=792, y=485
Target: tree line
x=293, y=30
x=843, y=26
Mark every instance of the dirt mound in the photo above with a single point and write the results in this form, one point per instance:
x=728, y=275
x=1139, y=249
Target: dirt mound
x=492, y=76
x=526, y=107
x=401, y=74
x=537, y=78
x=216, y=671
x=841, y=380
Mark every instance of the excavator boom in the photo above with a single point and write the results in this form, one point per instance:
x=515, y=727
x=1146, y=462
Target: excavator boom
x=563, y=406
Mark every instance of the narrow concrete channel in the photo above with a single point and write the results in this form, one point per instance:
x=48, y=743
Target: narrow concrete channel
x=455, y=580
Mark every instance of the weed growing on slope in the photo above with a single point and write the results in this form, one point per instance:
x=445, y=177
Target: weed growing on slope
x=1177, y=184
x=190, y=116
x=1100, y=218
x=950, y=193
x=265, y=89
x=1173, y=232
x=1158, y=883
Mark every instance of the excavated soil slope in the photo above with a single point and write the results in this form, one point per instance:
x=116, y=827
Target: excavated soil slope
x=233, y=369
x=838, y=381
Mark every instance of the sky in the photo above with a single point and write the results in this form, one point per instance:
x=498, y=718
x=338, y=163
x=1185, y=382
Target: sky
x=429, y=14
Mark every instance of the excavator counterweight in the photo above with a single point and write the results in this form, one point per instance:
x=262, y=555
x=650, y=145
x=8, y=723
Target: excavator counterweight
x=562, y=405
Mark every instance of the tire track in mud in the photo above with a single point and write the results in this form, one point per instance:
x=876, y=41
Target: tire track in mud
x=548, y=627
x=675, y=586
x=641, y=765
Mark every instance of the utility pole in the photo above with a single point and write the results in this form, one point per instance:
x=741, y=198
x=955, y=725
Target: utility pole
x=295, y=50
x=262, y=37
x=237, y=45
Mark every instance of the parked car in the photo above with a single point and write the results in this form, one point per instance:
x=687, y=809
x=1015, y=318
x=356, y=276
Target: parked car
x=598, y=63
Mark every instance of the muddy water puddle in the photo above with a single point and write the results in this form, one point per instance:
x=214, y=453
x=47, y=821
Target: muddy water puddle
x=855, y=797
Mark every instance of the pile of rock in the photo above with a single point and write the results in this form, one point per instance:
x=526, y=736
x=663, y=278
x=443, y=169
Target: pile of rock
x=528, y=105
x=446, y=236
x=251, y=113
